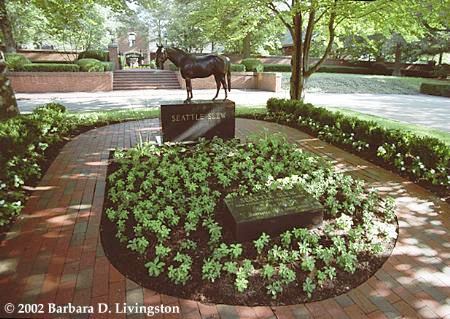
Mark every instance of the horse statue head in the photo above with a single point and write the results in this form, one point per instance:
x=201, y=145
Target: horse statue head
x=161, y=56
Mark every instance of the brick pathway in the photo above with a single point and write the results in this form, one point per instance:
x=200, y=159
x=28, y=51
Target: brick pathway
x=53, y=254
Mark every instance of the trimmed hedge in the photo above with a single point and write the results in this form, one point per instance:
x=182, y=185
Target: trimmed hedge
x=107, y=66
x=90, y=65
x=423, y=159
x=94, y=54
x=253, y=65
x=277, y=68
x=344, y=69
x=331, y=69
x=435, y=89
x=15, y=61
x=51, y=67
x=237, y=67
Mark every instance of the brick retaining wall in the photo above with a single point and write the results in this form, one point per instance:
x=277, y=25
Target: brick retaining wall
x=42, y=82
x=240, y=80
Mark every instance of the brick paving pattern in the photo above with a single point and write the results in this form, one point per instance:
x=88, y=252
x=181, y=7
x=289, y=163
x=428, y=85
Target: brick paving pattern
x=53, y=253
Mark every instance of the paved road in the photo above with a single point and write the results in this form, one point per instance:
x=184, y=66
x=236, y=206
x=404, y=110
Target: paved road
x=426, y=110
x=430, y=111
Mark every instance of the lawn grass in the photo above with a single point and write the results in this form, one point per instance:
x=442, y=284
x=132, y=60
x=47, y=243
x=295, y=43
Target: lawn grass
x=359, y=83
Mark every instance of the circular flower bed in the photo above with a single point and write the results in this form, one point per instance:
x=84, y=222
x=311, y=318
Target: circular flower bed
x=164, y=223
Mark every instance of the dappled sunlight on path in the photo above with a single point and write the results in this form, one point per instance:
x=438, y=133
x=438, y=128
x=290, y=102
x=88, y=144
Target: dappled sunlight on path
x=53, y=253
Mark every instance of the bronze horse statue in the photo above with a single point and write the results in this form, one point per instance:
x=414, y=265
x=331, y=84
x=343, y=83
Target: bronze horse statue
x=192, y=67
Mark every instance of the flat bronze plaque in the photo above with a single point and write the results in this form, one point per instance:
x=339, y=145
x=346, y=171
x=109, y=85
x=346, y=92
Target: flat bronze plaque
x=272, y=213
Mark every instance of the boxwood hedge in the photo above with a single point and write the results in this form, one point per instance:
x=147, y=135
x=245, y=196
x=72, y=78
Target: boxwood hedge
x=237, y=67
x=422, y=159
x=51, y=67
x=94, y=54
x=435, y=89
x=90, y=65
x=253, y=65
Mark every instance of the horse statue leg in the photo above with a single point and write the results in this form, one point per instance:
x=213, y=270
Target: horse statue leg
x=188, y=90
x=217, y=77
x=224, y=85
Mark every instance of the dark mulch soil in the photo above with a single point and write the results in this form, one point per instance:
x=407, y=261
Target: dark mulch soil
x=131, y=265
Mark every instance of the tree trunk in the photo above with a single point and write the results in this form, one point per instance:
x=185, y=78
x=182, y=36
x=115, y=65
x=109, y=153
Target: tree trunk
x=297, y=79
x=8, y=104
x=440, y=58
x=246, y=50
x=5, y=25
x=398, y=61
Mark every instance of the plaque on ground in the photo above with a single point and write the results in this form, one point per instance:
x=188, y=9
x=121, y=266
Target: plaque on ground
x=189, y=122
x=272, y=213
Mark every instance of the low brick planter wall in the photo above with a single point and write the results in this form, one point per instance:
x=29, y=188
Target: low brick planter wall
x=41, y=82
x=240, y=80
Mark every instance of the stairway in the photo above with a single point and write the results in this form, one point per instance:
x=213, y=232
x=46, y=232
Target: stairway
x=145, y=79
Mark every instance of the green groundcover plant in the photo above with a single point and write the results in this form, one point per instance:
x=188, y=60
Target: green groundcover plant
x=165, y=202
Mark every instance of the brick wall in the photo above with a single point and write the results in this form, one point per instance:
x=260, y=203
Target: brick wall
x=240, y=80
x=40, y=82
x=49, y=55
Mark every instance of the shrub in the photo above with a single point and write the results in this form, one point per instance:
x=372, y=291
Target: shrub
x=15, y=61
x=435, y=89
x=380, y=68
x=173, y=67
x=122, y=62
x=277, y=68
x=237, y=67
x=441, y=71
x=253, y=65
x=51, y=67
x=23, y=141
x=151, y=65
x=107, y=66
x=94, y=54
x=421, y=158
x=90, y=65
x=57, y=107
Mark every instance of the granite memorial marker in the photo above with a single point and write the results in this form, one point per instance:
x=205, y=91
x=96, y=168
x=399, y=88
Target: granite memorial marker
x=272, y=213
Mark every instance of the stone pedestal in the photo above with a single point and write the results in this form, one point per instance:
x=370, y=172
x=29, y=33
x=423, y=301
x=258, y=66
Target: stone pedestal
x=189, y=122
x=272, y=213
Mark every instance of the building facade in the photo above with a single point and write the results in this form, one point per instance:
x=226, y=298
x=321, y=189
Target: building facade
x=134, y=46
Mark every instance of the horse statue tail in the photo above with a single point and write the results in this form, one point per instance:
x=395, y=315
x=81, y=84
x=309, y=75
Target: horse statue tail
x=229, y=74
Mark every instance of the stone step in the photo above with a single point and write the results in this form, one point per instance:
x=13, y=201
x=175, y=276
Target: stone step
x=146, y=79
x=138, y=80
x=120, y=75
x=146, y=83
x=148, y=87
